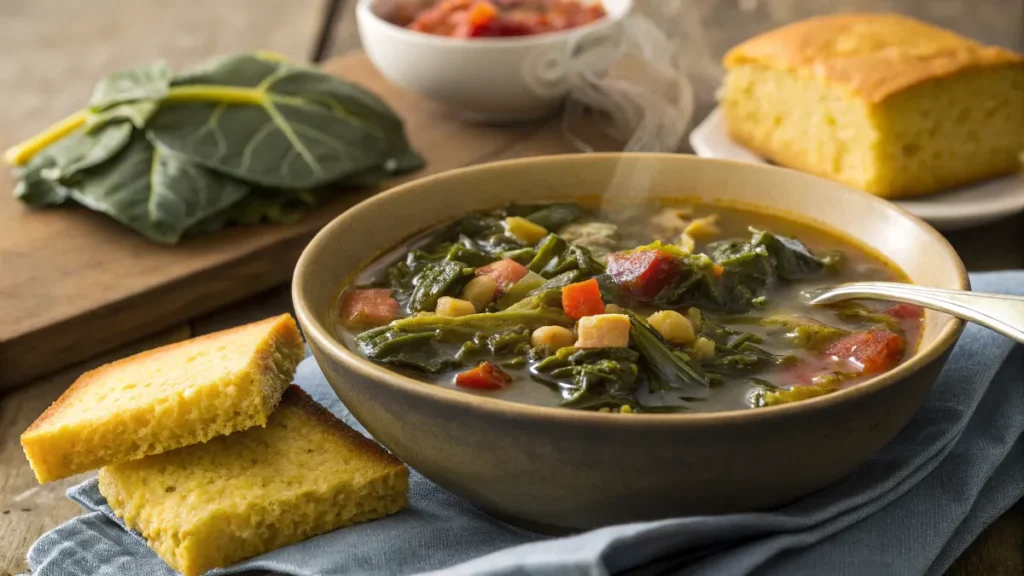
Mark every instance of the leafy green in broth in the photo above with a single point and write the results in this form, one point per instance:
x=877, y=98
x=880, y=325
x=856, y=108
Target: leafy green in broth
x=745, y=338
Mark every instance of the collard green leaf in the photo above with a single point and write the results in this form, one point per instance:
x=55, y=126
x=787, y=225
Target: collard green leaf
x=750, y=268
x=804, y=332
x=43, y=181
x=669, y=369
x=555, y=256
x=90, y=148
x=242, y=139
x=591, y=378
x=556, y=216
x=436, y=270
x=138, y=113
x=432, y=282
x=260, y=205
x=787, y=258
x=792, y=259
x=420, y=351
x=155, y=192
x=514, y=340
x=764, y=396
x=857, y=313
x=432, y=343
x=149, y=82
x=278, y=125
x=36, y=190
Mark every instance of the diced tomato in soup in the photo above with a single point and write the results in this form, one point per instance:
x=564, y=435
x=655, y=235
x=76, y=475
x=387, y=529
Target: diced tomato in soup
x=486, y=376
x=497, y=18
x=368, y=307
x=873, y=351
x=505, y=273
x=904, y=311
x=643, y=273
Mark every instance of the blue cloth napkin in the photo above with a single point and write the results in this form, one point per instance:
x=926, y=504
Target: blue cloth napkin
x=911, y=509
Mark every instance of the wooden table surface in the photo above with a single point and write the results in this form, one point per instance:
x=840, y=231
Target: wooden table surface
x=26, y=509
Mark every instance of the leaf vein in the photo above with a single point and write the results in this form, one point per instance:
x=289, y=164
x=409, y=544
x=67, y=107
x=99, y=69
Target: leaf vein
x=292, y=137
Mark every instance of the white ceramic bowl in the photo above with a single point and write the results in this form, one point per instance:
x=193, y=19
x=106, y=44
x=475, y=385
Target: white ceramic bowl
x=484, y=79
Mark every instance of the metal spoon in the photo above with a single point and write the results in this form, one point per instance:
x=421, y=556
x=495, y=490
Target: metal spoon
x=1004, y=314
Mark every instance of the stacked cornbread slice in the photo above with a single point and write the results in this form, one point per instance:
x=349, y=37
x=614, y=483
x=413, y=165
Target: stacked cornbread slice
x=204, y=442
x=882, y=102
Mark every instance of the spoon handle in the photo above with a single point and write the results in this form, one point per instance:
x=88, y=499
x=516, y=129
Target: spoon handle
x=1004, y=314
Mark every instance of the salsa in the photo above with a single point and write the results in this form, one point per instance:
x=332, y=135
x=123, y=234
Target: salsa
x=496, y=18
x=661, y=309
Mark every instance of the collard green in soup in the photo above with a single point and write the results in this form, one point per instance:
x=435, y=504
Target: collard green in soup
x=663, y=310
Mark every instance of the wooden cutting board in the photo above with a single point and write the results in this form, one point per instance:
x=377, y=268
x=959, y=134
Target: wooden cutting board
x=74, y=283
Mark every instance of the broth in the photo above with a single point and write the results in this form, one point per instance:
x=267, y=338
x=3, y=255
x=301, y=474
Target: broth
x=710, y=297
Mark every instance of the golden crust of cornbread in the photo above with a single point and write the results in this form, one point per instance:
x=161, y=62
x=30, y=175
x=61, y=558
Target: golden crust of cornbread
x=238, y=496
x=166, y=398
x=873, y=56
x=881, y=102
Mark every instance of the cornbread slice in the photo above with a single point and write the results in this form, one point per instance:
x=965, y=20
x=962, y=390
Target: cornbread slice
x=214, y=504
x=166, y=398
x=882, y=102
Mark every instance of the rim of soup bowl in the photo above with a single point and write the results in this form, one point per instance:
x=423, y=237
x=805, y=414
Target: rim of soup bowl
x=364, y=9
x=327, y=342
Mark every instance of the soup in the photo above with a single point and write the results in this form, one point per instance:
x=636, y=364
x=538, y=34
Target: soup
x=498, y=18
x=656, y=309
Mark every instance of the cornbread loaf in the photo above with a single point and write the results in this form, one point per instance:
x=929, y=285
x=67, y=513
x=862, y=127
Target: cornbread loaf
x=882, y=102
x=166, y=398
x=213, y=504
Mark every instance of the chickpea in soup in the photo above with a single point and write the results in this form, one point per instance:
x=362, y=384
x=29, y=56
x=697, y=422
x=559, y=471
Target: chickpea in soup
x=693, y=308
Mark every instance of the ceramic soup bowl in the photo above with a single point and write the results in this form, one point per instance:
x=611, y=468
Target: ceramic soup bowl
x=556, y=468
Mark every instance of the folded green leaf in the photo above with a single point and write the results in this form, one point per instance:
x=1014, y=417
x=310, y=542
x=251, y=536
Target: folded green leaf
x=149, y=82
x=155, y=192
x=555, y=216
x=857, y=313
x=432, y=282
x=554, y=256
x=274, y=124
x=763, y=396
x=237, y=140
x=418, y=351
x=804, y=332
x=431, y=343
x=514, y=340
x=590, y=379
x=36, y=190
x=138, y=113
x=669, y=369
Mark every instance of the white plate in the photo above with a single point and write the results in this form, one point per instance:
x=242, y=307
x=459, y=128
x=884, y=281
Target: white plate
x=956, y=208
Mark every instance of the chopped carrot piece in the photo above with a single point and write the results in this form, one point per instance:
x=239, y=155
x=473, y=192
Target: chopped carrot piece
x=582, y=299
x=482, y=13
x=718, y=270
x=368, y=307
x=486, y=376
x=874, y=351
x=505, y=272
